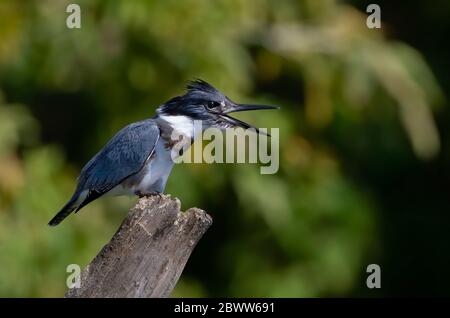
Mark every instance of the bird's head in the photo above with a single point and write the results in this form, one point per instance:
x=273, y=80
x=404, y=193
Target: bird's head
x=204, y=102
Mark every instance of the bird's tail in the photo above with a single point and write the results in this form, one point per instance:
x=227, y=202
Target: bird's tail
x=71, y=206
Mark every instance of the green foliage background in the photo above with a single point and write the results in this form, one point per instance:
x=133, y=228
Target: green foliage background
x=363, y=172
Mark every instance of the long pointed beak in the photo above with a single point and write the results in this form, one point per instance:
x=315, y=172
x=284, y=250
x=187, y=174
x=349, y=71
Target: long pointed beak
x=245, y=107
x=241, y=108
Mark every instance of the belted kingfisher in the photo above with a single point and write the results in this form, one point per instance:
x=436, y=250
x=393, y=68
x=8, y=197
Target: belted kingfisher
x=137, y=160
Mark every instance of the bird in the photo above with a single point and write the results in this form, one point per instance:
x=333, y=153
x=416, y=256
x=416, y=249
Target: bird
x=137, y=160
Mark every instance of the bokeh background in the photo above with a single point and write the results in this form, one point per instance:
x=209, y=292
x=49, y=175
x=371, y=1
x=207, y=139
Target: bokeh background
x=364, y=140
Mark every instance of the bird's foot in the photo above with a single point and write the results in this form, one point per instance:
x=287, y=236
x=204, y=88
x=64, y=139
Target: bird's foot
x=141, y=194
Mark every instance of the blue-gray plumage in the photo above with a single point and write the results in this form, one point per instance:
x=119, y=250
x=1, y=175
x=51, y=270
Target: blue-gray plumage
x=137, y=160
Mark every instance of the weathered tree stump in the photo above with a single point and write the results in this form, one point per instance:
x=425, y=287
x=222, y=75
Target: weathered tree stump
x=147, y=254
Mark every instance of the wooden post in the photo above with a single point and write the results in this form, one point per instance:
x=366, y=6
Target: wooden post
x=147, y=254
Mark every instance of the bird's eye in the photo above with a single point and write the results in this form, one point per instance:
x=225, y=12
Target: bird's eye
x=212, y=105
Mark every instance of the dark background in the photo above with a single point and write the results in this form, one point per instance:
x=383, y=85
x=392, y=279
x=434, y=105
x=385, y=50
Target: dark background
x=417, y=221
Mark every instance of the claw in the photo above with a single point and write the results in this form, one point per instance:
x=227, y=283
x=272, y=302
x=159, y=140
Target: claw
x=141, y=194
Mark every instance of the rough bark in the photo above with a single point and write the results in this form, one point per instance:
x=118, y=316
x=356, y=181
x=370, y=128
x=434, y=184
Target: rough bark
x=147, y=254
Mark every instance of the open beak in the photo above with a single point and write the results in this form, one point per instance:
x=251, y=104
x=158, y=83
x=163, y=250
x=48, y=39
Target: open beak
x=242, y=108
